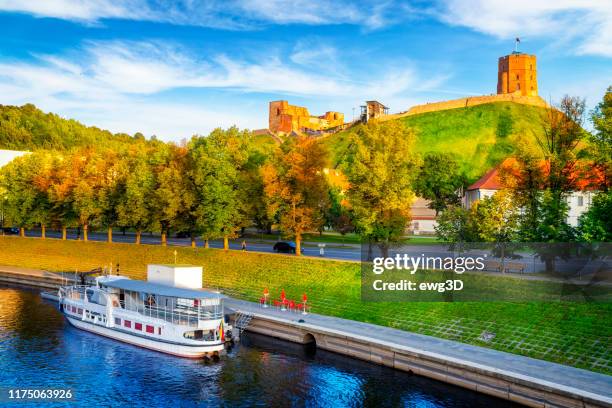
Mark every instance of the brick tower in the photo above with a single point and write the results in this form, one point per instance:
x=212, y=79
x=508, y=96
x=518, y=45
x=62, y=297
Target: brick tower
x=517, y=73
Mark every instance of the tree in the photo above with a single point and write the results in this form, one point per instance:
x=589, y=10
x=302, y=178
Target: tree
x=172, y=197
x=595, y=225
x=89, y=170
x=496, y=219
x=543, y=181
x=380, y=166
x=112, y=189
x=439, y=181
x=220, y=182
x=601, y=140
x=453, y=226
x=296, y=187
x=135, y=208
x=21, y=198
x=338, y=215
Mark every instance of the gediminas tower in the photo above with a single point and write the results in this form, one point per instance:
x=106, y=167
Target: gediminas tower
x=517, y=73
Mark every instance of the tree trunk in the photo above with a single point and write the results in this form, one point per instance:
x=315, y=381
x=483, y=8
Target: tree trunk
x=193, y=241
x=22, y=232
x=64, y=233
x=164, y=242
x=138, y=232
x=43, y=232
x=110, y=234
x=206, y=243
x=225, y=243
x=85, y=232
x=298, y=245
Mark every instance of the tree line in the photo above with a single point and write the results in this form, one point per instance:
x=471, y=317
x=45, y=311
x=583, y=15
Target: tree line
x=214, y=186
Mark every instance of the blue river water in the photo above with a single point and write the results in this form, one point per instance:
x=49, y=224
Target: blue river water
x=39, y=349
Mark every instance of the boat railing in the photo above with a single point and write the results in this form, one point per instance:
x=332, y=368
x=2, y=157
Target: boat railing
x=181, y=316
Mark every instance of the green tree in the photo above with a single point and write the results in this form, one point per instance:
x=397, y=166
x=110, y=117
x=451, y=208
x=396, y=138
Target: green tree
x=439, y=181
x=136, y=205
x=495, y=219
x=601, y=140
x=296, y=187
x=220, y=182
x=453, y=226
x=380, y=166
x=595, y=225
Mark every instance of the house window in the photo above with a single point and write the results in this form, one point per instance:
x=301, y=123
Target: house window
x=138, y=326
x=150, y=329
x=117, y=321
x=127, y=323
x=580, y=201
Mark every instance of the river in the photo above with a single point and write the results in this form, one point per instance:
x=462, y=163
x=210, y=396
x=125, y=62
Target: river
x=39, y=349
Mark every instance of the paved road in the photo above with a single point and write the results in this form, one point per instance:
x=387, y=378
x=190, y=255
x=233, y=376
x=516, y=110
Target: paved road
x=351, y=252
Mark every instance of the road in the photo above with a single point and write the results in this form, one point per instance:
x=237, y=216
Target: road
x=350, y=252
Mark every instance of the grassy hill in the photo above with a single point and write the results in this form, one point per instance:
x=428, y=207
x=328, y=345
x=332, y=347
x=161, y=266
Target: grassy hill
x=480, y=136
x=28, y=128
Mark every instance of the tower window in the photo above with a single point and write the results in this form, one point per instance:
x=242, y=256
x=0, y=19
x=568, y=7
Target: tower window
x=518, y=85
x=517, y=77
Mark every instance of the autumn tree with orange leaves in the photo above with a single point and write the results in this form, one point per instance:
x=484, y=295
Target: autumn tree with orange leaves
x=295, y=187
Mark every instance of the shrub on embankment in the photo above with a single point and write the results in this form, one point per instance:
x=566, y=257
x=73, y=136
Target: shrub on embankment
x=576, y=334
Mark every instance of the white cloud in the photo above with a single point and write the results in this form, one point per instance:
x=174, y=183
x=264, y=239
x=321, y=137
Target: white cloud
x=587, y=22
x=229, y=14
x=117, y=85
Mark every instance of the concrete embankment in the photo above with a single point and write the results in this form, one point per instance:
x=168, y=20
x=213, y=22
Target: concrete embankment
x=524, y=380
x=531, y=382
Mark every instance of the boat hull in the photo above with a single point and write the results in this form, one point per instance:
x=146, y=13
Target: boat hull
x=163, y=347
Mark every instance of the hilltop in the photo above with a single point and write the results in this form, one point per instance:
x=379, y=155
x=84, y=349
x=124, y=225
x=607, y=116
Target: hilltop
x=481, y=136
x=29, y=128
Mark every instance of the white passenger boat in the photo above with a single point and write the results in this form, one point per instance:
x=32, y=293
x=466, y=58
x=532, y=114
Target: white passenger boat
x=169, y=312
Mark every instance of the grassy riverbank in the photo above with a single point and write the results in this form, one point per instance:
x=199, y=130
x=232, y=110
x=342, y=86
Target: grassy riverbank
x=575, y=334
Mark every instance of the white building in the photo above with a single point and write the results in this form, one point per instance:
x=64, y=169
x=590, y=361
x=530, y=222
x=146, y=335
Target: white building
x=578, y=201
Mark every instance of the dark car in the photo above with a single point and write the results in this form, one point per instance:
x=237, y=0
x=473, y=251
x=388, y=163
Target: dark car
x=183, y=234
x=10, y=231
x=286, y=247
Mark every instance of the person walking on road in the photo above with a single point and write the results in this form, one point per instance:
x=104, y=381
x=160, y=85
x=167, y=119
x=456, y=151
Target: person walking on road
x=243, y=245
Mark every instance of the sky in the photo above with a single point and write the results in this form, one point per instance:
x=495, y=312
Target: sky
x=175, y=69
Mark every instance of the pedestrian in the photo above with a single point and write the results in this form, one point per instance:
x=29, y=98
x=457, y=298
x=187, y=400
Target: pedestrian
x=243, y=245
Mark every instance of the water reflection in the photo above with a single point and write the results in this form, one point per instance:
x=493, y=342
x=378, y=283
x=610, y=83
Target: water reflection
x=39, y=349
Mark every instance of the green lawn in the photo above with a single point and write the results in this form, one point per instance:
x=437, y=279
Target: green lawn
x=576, y=334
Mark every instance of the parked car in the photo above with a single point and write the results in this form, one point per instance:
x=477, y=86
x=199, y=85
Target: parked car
x=183, y=234
x=10, y=231
x=286, y=247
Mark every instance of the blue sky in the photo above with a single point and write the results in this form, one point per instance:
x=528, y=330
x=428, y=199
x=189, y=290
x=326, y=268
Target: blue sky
x=180, y=68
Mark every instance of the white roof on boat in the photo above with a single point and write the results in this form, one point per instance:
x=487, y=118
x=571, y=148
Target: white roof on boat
x=158, y=289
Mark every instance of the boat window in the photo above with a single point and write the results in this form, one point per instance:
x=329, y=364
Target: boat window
x=150, y=329
x=89, y=293
x=204, y=335
x=117, y=321
x=80, y=311
x=127, y=323
x=138, y=326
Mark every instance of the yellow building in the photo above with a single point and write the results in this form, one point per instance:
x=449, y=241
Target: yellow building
x=517, y=73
